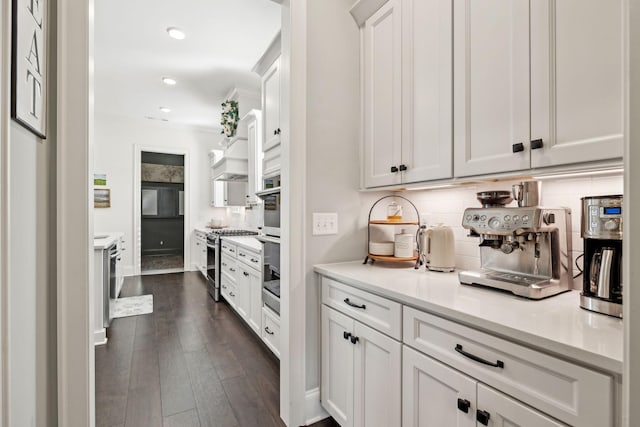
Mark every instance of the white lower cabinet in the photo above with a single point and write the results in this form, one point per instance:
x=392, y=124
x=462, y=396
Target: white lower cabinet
x=271, y=330
x=361, y=377
x=436, y=395
x=250, y=288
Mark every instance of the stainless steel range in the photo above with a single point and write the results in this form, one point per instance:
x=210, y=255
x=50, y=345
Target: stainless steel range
x=523, y=250
x=213, y=257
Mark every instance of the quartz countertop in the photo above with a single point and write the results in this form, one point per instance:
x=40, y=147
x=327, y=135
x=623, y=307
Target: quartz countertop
x=556, y=325
x=102, y=240
x=247, y=242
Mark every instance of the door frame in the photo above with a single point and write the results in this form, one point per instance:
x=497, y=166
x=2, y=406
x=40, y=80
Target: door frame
x=137, y=188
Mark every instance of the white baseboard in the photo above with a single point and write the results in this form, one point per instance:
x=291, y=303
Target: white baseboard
x=100, y=337
x=314, y=411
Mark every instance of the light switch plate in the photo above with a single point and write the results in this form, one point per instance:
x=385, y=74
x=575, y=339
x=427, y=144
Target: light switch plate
x=325, y=224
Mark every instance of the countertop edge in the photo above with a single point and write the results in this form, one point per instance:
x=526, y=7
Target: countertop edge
x=556, y=348
x=238, y=240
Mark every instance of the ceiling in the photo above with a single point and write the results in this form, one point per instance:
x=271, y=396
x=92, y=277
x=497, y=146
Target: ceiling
x=224, y=40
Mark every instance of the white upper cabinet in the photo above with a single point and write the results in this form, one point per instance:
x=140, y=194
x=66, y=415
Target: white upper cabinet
x=271, y=105
x=576, y=81
x=536, y=84
x=407, y=92
x=491, y=86
x=382, y=44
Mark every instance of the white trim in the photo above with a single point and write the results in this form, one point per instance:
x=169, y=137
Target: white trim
x=137, y=243
x=314, y=411
x=164, y=271
x=76, y=386
x=5, y=72
x=100, y=337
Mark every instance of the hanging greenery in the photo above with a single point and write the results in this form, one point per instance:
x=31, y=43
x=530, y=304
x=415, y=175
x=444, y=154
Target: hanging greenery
x=229, y=118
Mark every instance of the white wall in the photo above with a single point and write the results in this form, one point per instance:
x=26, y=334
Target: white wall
x=115, y=139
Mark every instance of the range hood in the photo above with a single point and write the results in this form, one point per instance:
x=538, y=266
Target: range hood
x=231, y=169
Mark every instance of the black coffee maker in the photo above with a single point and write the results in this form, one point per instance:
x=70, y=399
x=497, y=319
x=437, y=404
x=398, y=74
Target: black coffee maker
x=602, y=234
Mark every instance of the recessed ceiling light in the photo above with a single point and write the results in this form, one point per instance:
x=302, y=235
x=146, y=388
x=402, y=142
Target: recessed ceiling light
x=169, y=81
x=165, y=109
x=176, y=33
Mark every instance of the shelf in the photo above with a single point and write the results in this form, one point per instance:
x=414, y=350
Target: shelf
x=392, y=258
x=387, y=222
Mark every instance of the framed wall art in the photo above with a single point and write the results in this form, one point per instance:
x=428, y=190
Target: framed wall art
x=101, y=198
x=29, y=65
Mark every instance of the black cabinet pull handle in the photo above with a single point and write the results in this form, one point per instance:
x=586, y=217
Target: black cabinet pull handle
x=483, y=417
x=245, y=273
x=346, y=335
x=498, y=364
x=394, y=169
x=233, y=270
x=354, y=339
x=537, y=143
x=464, y=405
x=346, y=301
x=403, y=168
x=254, y=260
x=275, y=132
x=241, y=254
x=278, y=131
x=267, y=330
x=517, y=147
x=232, y=294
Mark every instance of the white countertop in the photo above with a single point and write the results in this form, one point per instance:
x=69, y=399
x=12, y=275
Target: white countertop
x=205, y=230
x=556, y=325
x=247, y=242
x=105, y=239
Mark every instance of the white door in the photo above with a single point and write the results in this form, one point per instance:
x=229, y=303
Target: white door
x=382, y=67
x=435, y=395
x=503, y=411
x=243, y=286
x=271, y=105
x=491, y=86
x=427, y=138
x=577, y=51
x=377, y=379
x=255, y=300
x=336, y=390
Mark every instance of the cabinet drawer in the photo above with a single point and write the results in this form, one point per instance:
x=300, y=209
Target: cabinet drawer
x=378, y=312
x=568, y=392
x=271, y=330
x=229, y=266
x=251, y=258
x=229, y=291
x=228, y=248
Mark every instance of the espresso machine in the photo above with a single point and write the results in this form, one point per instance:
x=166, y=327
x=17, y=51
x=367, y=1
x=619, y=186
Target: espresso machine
x=525, y=250
x=602, y=236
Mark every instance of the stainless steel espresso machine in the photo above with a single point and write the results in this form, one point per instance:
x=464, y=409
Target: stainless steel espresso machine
x=525, y=250
x=602, y=236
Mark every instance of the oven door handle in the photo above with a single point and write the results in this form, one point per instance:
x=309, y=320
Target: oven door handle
x=211, y=246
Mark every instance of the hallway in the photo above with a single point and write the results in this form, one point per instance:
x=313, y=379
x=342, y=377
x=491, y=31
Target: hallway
x=189, y=363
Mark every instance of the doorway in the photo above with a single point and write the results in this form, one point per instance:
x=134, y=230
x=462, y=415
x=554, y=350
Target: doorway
x=162, y=231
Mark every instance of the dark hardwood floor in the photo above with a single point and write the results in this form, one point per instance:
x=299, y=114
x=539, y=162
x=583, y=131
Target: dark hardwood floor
x=192, y=362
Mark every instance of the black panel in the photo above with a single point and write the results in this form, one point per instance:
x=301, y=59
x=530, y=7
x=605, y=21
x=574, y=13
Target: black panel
x=162, y=236
x=162, y=158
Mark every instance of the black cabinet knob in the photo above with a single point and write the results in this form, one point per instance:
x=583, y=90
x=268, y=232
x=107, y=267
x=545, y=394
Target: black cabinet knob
x=537, y=143
x=278, y=131
x=354, y=339
x=517, y=147
x=245, y=273
x=346, y=335
x=394, y=169
x=483, y=417
x=464, y=405
x=403, y=168
x=275, y=132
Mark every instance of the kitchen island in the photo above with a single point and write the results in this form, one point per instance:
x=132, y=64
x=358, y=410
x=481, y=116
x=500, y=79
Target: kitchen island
x=550, y=354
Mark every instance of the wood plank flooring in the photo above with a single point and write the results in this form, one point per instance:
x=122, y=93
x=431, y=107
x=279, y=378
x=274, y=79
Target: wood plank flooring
x=192, y=362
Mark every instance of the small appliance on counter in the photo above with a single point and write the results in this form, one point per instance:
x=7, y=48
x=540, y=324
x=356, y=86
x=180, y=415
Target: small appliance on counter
x=601, y=231
x=523, y=250
x=437, y=248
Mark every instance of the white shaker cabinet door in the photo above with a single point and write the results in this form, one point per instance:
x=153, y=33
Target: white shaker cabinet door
x=491, y=86
x=577, y=51
x=337, y=366
x=377, y=378
x=427, y=139
x=382, y=68
x=255, y=300
x=502, y=411
x=271, y=106
x=435, y=395
x=243, y=286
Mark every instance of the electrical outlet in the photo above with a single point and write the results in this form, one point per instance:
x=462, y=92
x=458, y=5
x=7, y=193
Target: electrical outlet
x=325, y=224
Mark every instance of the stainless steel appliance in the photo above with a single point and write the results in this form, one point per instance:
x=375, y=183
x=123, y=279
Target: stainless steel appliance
x=526, y=193
x=523, y=250
x=213, y=257
x=271, y=272
x=109, y=288
x=271, y=206
x=602, y=239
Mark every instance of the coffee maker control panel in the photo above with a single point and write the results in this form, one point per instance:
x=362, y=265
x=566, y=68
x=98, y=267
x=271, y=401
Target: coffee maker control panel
x=602, y=217
x=500, y=220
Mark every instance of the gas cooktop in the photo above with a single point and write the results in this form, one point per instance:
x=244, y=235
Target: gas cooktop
x=233, y=232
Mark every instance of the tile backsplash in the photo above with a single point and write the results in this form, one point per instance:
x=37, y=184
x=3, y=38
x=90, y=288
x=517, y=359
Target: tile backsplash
x=447, y=206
